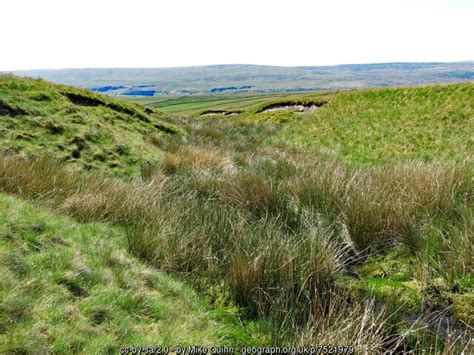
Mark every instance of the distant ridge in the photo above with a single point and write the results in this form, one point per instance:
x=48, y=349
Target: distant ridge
x=255, y=78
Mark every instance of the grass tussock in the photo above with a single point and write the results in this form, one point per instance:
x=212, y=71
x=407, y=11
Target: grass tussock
x=198, y=158
x=386, y=203
x=361, y=326
x=276, y=243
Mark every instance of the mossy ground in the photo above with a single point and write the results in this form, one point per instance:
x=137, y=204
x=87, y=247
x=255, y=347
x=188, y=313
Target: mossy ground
x=393, y=278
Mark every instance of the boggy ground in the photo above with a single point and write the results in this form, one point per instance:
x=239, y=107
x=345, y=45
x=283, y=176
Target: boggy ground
x=339, y=237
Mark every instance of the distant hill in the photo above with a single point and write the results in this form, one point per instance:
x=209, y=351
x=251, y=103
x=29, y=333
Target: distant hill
x=255, y=78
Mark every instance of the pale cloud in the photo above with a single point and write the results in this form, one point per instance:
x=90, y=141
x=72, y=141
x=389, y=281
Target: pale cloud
x=151, y=33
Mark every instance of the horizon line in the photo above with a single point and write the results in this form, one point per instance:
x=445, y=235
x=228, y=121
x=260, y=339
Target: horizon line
x=239, y=64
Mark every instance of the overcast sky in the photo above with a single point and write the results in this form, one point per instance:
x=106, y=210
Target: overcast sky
x=162, y=33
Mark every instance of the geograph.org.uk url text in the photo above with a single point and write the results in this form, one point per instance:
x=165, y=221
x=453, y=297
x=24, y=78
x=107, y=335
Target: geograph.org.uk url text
x=316, y=349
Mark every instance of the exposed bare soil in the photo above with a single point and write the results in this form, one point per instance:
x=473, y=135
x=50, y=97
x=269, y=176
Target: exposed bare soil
x=7, y=110
x=220, y=112
x=303, y=107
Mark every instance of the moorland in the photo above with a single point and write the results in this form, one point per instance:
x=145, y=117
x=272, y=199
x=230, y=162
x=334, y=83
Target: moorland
x=328, y=217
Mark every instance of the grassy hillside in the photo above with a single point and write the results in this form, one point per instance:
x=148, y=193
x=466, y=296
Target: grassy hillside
x=198, y=104
x=323, y=238
x=70, y=287
x=373, y=126
x=363, y=126
x=85, y=129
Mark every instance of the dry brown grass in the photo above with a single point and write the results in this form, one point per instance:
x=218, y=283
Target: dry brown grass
x=113, y=201
x=34, y=178
x=267, y=232
x=198, y=158
x=387, y=203
x=249, y=191
x=284, y=275
x=361, y=326
x=87, y=197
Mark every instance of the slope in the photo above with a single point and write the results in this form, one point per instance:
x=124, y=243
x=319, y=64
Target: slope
x=85, y=129
x=430, y=123
x=69, y=287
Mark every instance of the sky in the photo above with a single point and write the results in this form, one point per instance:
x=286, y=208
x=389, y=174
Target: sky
x=53, y=34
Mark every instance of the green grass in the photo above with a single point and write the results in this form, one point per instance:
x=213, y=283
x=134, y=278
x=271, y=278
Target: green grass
x=101, y=134
x=337, y=237
x=361, y=126
x=197, y=104
x=375, y=126
x=70, y=287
